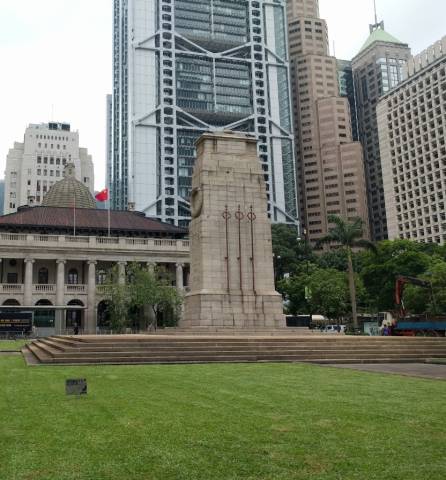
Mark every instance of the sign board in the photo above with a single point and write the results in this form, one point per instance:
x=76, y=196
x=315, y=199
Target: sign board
x=17, y=322
x=298, y=320
x=76, y=386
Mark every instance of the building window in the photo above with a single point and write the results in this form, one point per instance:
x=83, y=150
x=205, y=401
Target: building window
x=73, y=277
x=43, y=276
x=101, y=278
x=12, y=278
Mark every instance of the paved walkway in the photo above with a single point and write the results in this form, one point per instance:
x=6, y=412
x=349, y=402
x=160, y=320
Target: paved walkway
x=422, y=370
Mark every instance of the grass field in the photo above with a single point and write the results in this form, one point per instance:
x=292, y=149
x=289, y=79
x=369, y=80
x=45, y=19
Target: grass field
x=219, y=422
x=11, y=345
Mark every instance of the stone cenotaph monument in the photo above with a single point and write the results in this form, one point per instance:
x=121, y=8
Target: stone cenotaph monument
x=232, y=273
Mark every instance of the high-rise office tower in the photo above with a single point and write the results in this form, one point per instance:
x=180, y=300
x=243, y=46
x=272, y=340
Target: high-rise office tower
x=185, y=67
x=302, y=8
x=34, y=165
x=330, y=164
x=377, y=68
x=412, y=127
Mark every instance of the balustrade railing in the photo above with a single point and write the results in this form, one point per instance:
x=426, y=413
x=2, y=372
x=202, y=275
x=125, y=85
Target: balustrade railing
x=107, y=240
x=75, y=289
x=100, y=242
x=44, y=288
x=70, y=239
x=14, y=237
x=101, y=289
x=11, y=288
x=46, y=238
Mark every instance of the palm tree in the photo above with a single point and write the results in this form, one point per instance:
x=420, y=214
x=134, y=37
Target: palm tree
x=348, y=235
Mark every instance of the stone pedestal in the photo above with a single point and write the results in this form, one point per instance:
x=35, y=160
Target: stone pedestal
x=232, y=275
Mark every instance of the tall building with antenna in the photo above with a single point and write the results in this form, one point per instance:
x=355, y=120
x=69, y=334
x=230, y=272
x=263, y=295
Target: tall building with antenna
x=182, y=68
x=377, y=68
x=329, y=163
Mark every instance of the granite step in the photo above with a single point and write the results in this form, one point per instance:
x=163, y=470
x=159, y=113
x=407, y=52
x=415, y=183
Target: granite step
x=151, y=350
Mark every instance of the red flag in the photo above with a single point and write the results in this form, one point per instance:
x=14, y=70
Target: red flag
x=102, y=196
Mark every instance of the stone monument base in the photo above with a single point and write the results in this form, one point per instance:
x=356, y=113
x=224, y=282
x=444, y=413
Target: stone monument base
x=233, y=310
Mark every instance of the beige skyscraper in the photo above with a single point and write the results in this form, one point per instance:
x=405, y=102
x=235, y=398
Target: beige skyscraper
x=411, y=125
x=330, y=165
x=303, y=8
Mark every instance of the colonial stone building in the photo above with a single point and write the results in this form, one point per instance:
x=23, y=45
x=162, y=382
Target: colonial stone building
x=58, y=255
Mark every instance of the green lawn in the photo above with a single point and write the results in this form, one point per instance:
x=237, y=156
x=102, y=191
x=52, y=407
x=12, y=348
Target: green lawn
x=215, y=422
x=11, y=345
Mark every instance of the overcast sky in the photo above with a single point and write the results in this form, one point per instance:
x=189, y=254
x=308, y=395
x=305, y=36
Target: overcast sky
x=55, y=58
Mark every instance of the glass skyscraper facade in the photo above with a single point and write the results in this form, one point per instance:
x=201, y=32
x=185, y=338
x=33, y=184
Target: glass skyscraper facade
x=377, y=68
x=347, y=90
x=185, y=67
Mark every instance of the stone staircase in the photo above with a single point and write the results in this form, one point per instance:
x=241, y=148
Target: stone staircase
x=238, y=332
x=157, y=349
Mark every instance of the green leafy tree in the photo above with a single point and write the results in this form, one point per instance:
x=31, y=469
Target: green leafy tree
x=336, y=259
x=154, y=289
x=329, y=293
x=144, y=289
x=348, y=236
x=293, y=289
x=431, y=301
x=291, y=253
x=118, y=302
x=437, y=275
x=380, y=270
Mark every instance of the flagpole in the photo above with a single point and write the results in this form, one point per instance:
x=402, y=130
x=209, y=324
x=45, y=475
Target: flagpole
x=109, y=228
x=103, y=196
x=74, y=216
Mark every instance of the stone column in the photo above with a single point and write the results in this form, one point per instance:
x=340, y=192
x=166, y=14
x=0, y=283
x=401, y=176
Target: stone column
x=90, y=324
x=180, y=280
x=121, y=272
x=149, y=314
x=60, y=297
x=28, y=287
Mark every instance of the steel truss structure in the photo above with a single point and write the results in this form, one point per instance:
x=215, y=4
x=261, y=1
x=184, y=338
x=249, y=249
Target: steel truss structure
x=185, y=67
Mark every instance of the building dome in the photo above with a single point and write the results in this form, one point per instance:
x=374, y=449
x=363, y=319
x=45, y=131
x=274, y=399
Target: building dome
x=69, y=192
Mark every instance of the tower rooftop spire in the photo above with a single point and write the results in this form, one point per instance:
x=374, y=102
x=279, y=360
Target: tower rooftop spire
x=377, y=25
